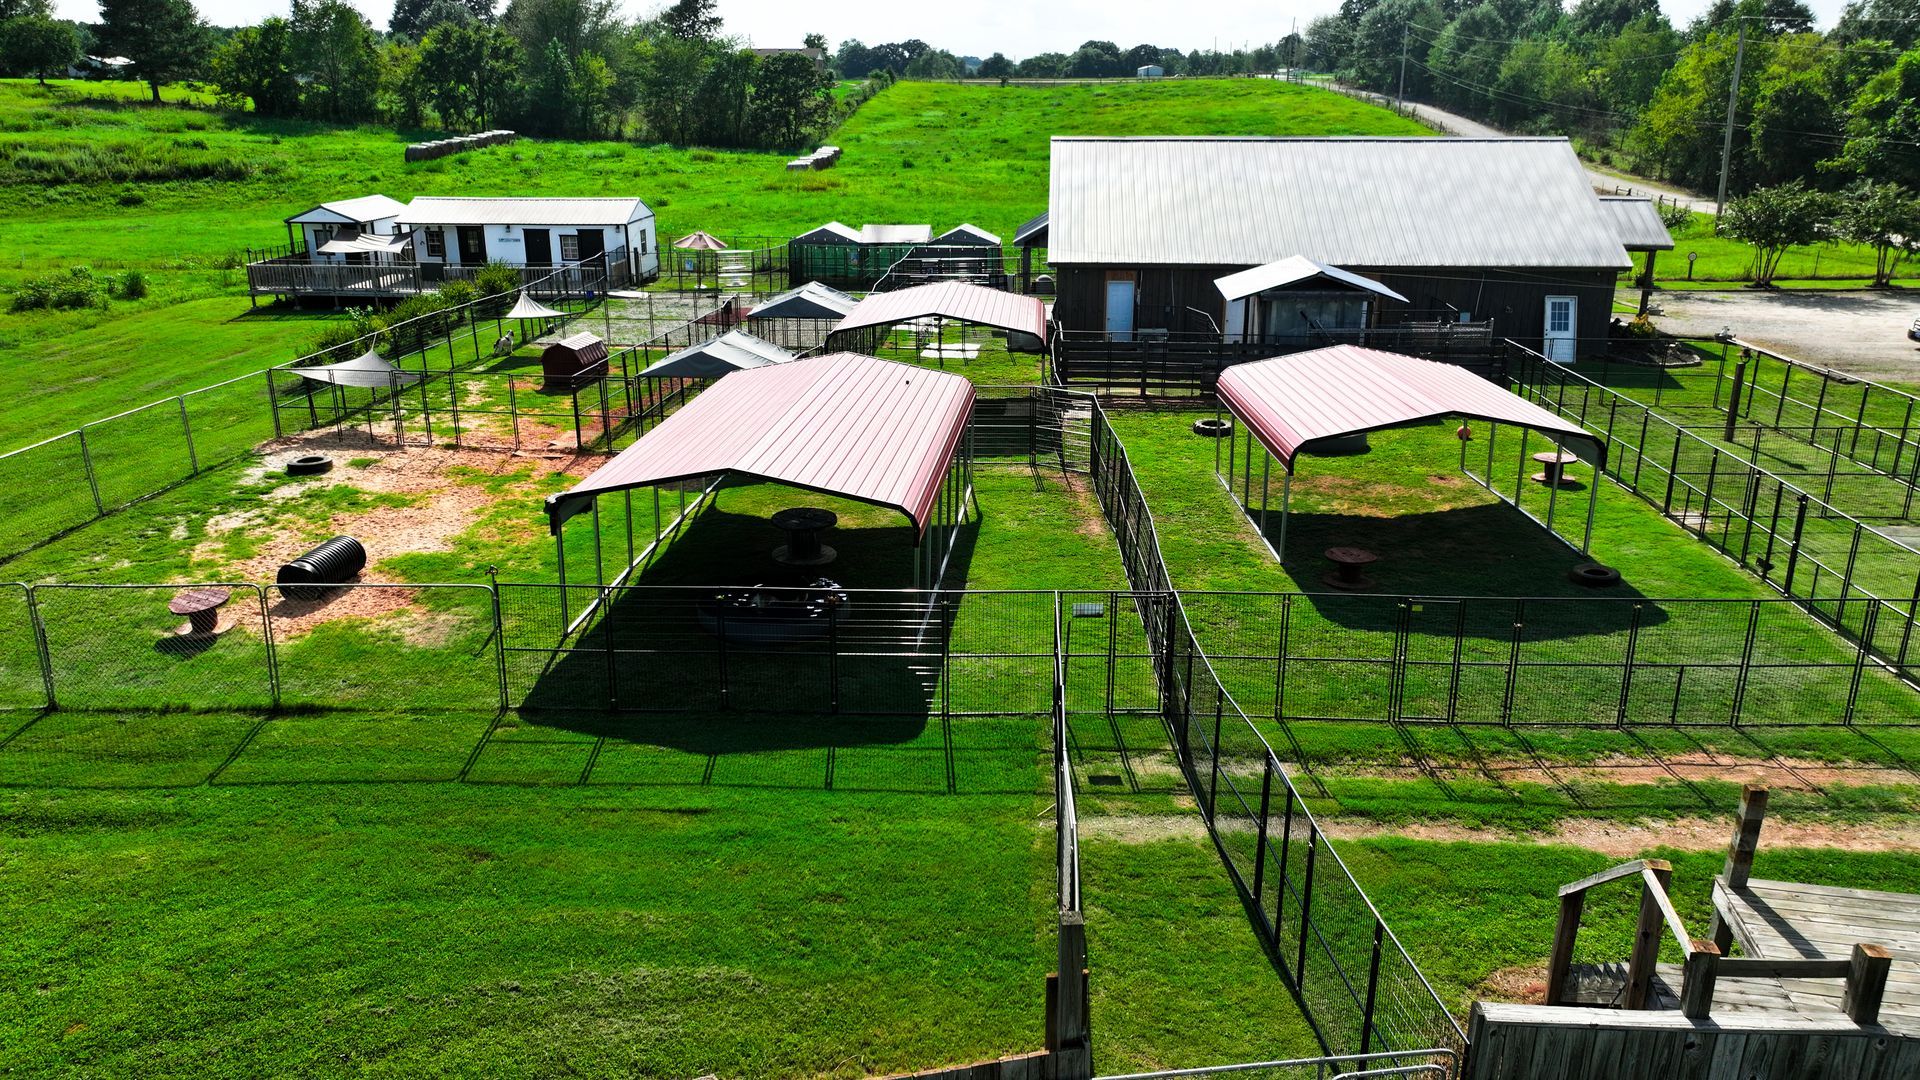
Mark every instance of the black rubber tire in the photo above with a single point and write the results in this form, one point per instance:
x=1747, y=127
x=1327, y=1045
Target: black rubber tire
x=1213, y=429
x=1593, y=575
x=309, y=465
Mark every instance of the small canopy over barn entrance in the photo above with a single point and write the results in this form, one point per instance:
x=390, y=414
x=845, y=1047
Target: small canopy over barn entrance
x=1294, y=299
x=870, y=430
x=733, y=351
x=1313, y=401
x=1024, y=318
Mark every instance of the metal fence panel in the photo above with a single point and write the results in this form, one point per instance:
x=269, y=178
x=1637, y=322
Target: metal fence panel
x=117, y=648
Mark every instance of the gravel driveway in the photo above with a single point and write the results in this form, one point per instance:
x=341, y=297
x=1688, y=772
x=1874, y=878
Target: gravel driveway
x=1862, y=333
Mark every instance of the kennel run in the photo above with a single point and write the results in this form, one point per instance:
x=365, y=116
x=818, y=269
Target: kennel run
x=871, y=430
x=1328, y=400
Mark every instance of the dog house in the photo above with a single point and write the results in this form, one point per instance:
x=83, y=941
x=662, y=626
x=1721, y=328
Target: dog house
x=572, y=362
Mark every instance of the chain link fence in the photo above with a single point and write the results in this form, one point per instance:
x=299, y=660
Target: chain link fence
x=1859, y=579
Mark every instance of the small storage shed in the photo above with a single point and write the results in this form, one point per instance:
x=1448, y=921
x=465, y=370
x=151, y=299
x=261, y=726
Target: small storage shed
x=573, y=361
x=847, y=258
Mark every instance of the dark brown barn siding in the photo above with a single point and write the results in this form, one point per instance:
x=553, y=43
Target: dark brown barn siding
x=1514, y=299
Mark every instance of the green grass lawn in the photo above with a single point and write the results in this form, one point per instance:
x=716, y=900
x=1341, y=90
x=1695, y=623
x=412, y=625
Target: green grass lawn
x=1417, y=885
x=1722, y=260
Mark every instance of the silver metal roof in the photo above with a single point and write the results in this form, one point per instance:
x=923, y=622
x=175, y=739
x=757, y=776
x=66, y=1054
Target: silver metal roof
x=1292, y=270
x=1637, y=223
x=359, y=211
x=1360, y=201
x=436, y=210
x=1034, y=231
x=736, y=350
x=967, y=234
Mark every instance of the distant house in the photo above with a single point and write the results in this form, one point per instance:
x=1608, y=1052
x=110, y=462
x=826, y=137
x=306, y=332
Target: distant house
x=373, y=247
x=1147, y=236
x=1150, y=71
x=533, y=232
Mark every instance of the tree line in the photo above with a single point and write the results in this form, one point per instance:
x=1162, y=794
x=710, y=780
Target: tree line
x=563, y=68
x=915, y=59
x=1826, y=109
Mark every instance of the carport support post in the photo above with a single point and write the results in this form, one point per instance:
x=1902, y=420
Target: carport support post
x=1286, y=512
x=1593, y=504
x=1266, y=490
x=560, y=551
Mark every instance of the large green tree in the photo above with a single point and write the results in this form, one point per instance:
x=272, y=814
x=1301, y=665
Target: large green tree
x=163, y=40
x=1884, y=217
x=1883, y=125
x=1773, y=219
x=258, y=64
x=468, y=73
x=37, y=45
x=791, y=100
x=339, y=60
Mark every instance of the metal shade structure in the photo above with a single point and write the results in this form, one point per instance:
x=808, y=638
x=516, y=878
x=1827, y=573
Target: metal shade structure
x=1295, y=270
x=1315, y=400
x=958, y=300
x=369, y=370
x=734, y=351
x=700, y=240
x=810, y=301
x=868, y=429
x=526, y=307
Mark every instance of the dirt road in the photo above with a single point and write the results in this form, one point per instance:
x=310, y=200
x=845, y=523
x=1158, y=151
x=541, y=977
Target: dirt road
x=1861, y=333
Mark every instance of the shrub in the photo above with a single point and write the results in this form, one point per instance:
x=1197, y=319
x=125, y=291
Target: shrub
x=496, y=279
x=77, y=287
x=130, y=198
x=133, y=285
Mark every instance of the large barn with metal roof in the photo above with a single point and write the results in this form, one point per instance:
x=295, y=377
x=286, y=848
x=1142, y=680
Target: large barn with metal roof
x=1506, y=231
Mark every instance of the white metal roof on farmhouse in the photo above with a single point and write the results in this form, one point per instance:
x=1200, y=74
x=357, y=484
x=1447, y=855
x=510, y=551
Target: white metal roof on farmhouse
x=434, y=210
x=1355, y=202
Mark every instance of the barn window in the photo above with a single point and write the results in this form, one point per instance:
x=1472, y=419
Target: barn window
x=570, y=248
x=436, y=244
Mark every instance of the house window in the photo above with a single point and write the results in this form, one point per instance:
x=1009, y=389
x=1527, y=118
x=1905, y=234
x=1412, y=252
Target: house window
x=322, y=235
x=570, y=248
x=436, y=244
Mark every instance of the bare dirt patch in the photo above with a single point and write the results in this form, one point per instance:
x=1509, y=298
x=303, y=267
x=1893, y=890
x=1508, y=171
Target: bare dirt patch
x=1690, y=767
x=444, y=501
x=1522, y=984
x=1620, y=839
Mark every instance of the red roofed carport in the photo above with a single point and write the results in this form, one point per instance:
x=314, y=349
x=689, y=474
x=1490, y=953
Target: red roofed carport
x=873, y=318
x=1306, y=401
x=866, y=429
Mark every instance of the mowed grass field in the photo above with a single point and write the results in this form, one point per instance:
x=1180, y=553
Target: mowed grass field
x=90, y=176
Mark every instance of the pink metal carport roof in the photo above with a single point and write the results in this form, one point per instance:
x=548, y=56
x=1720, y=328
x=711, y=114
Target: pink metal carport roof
x=959, y=300
x=1291, y=401
x=842, y=424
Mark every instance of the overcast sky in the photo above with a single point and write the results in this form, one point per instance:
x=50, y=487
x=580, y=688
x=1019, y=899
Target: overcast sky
x=1018, y=29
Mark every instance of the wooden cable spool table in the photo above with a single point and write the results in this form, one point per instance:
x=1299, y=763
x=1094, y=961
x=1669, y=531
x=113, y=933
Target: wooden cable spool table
x=1348, y=564
x=803, y=526
x=201, y=606
x=1553, y=469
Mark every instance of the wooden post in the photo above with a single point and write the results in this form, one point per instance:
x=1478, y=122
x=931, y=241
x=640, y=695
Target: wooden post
x=1072, y=1055
x=1697, y=977
x=1739, y=866
x=1561, y=960
x=1646, y=937
x=1866, y=983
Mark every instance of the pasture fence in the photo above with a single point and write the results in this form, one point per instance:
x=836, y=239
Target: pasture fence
x=1853, y=442
x=62, y=483
x=1861, y=580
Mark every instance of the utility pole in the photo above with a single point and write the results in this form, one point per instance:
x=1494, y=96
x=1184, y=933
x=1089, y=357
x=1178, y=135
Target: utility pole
x=1403, y=67
x=1726, y=145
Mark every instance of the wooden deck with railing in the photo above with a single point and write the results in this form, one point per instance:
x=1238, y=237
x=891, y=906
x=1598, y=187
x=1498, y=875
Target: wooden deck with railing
x=295, y=276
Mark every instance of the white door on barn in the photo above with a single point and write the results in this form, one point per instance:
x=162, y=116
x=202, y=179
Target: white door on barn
x=1561, y=339
x=1120, y=308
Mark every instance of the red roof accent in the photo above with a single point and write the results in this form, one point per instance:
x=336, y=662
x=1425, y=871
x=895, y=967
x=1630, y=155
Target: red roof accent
x=841, y=424
x=960, y=300
x=1290, y=401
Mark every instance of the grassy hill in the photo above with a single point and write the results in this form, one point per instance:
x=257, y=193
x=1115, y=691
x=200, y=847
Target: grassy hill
x=208, y=183
x=89, y=175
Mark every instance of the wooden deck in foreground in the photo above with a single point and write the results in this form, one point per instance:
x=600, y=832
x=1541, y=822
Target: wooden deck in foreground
x=1790, y=920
